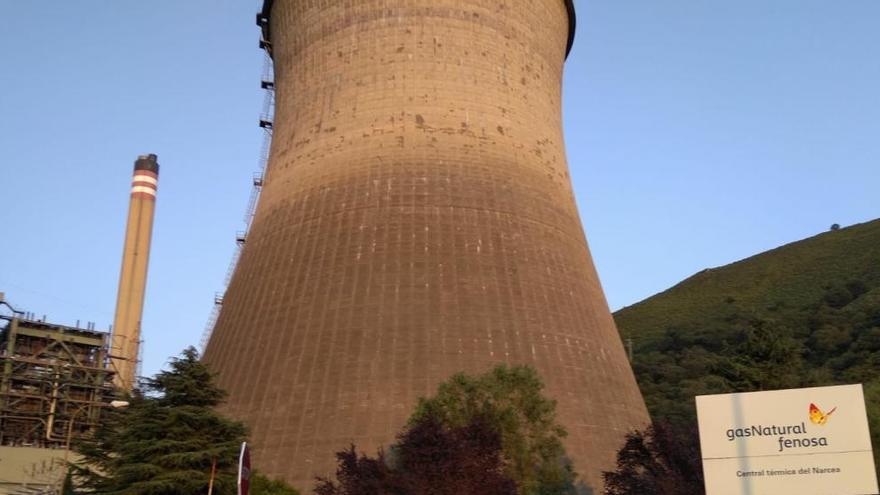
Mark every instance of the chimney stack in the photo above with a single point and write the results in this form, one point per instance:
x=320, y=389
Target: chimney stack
x=133, y=275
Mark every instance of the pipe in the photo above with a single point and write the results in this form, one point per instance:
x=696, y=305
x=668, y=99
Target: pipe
x=52, y=406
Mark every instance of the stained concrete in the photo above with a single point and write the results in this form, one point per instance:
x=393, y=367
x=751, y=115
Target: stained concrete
x=417, y=220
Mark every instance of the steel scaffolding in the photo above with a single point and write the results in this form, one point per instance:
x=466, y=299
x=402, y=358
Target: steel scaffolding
x=54, y=379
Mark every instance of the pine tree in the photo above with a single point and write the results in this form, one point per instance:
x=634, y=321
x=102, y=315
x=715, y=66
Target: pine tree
x=166, y=440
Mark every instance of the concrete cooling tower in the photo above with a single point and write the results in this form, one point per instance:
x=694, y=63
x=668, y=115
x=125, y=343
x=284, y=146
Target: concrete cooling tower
x=416, y=220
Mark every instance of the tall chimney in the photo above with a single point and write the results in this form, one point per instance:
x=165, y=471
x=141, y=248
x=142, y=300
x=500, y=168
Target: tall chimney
x=133, y=276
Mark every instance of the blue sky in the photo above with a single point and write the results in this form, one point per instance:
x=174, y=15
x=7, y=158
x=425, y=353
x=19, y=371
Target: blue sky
x=698, y=133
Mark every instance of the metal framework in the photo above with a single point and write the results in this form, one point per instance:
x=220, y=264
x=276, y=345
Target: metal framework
x=54, y=380
x=267, y=82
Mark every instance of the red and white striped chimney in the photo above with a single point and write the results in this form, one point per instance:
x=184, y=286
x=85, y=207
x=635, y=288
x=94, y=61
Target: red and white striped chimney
x=125, y=342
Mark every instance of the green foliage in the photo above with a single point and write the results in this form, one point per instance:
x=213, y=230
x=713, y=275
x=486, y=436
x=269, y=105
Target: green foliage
x=428, y=459
x=805, y=314
x=165, y=441
x=262, y=485
x=662, y=460
x=763, y=356
x=68, y=489
x=360, y=475
x=781, y=280
x=511, y=400
x=872, y=396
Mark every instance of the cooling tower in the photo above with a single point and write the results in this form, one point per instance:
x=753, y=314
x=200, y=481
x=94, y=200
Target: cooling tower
x=417, y=219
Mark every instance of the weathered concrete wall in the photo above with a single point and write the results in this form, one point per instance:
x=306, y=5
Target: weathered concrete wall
x=417, y=220
x=29, y=467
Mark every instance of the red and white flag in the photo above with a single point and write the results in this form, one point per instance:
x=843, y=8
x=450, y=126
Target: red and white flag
x=244, y=470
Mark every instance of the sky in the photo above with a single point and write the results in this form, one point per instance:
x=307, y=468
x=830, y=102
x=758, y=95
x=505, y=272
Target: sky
x=697, y=133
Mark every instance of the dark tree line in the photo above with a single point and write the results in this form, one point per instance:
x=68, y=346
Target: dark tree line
x=487, y=434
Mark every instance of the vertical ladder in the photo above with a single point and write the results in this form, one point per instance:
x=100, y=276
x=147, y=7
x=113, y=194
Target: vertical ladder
x=267, y=82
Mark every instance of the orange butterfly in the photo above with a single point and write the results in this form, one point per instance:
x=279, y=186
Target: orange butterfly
x=817, y=416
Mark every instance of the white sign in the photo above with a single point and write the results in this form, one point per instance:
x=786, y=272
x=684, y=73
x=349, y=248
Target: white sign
x=808, y=441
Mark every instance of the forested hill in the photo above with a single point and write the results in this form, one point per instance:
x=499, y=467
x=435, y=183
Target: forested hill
x=804, y=314
x=793, y=276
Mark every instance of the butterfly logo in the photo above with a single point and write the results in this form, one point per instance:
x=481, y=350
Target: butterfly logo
x=817, y=416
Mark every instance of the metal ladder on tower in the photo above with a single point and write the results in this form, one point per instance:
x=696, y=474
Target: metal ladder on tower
x=267, y=82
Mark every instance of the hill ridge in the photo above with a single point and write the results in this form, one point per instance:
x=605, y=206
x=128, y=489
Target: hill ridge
x=823, y=249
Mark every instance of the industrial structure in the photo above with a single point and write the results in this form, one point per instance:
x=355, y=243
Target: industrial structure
x=126, y=340
x=54, y=381
x=416, y=219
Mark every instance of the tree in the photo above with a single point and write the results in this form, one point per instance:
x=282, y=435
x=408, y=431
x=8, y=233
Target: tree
x=428, y=459
x=765, y=357
x=662, y=460
x=165, y=441
x=262, y=485
x=449, y=461
x=510, y=400
x=872, y=397
x=359, y=475
x=491, y=434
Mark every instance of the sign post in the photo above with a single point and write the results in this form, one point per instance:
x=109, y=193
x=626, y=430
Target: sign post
x=808, y=441
x=244, y=470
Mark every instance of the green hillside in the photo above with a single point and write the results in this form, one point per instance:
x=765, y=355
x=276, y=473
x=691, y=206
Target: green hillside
x=804, y=314
x=789, y=277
